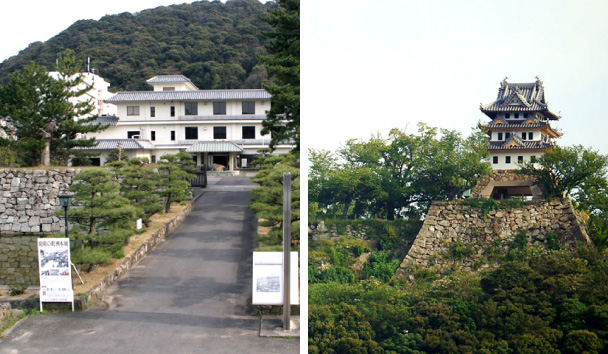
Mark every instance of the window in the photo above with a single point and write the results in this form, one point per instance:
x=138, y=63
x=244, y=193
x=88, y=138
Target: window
x=516, y=115
x=172, y=111
x=530, y=136
x=523, y=135
x=219, y=108
x=152, y=111
x=499, y=136
x=520, y=159
x=248, y=132
x=191, y=133
x=495, y=159
x=248, y=107
x=507, y=136
x=131, y=134
x=191, y=108
x=168, y=88
x=152, y=135
x=219, y=132
x=132, y=110
x=173, y=135
x=525, y=115
x=152, y=158
x=507, y=159
x=507, y=115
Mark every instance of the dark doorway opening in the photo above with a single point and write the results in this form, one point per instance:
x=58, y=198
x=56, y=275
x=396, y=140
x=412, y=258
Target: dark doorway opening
x=220, y=160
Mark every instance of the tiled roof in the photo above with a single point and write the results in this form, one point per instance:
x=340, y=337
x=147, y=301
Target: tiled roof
x=195, y=95
x=519, y=126
x=524, y=145
x=127, y=144
x=512, y=125
x=214, y=146
x=168, y=78
x=104, y=120
x=520, y=97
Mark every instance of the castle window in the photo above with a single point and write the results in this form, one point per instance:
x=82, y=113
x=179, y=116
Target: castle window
x=152, y=111
x=507, y=136
x=530, y=136
x=507, y=115
x=507, y=159
x=520, y=159
x=516, y=115
x=172, y=111
x=495, y=159
x=173, y=135
x=499, y=136
x=525, y=115
x=523, y=135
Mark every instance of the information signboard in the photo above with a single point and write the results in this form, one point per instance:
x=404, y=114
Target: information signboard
x=55, y=270
x=268, y=278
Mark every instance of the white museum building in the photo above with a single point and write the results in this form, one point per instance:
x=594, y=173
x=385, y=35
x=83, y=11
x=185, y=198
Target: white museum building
x=218, y=127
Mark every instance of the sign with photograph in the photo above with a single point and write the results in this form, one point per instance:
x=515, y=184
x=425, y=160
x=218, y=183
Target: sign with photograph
x=55, y=270
x=268, y=278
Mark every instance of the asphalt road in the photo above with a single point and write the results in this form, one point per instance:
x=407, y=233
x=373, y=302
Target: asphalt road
x=189, y=295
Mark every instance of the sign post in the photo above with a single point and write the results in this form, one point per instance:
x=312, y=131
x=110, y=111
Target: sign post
x=286, y=249
x=55, y=271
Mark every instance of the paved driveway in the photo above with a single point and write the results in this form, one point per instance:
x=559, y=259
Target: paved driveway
x=189, y=295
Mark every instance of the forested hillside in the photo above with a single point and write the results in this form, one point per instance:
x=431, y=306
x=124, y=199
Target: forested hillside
x=212, y=43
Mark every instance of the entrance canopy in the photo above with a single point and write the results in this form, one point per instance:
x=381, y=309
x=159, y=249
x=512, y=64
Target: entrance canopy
x=215, y=146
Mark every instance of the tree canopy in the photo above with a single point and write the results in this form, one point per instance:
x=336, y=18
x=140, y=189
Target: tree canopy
x=397, y=176
x=215, y=44
x=283, y=68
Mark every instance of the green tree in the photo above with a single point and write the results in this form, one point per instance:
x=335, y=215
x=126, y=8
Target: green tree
x=563, y=169
x=42, y=113
x=102, y=224
x=267, y=200
x=174, y=171
x=283, y=68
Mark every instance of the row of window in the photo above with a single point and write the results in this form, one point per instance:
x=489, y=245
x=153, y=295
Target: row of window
x=191, y=133
x=516, y=115
x=524, y=136
x=520, y=159
x=191, y=109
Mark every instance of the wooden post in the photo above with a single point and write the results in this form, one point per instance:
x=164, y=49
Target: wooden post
x=286, y=249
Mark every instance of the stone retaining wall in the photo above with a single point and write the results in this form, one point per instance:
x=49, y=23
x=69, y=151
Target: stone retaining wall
x=18, y=260
x=450, y=222
x=29, y=200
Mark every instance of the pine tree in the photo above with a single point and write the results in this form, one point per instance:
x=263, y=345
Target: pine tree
x=39, y=109
x=103, y=222
x=174, y=170
x=283, y=68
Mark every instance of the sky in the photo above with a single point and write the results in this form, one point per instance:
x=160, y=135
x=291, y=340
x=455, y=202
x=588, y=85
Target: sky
x=369, y=66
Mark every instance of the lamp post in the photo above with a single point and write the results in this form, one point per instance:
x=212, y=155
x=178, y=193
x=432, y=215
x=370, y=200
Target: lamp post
x=65, y=199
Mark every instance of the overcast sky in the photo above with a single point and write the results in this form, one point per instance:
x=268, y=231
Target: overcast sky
x=370, y=66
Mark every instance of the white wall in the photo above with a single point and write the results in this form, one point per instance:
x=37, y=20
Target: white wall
x=502, y=165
